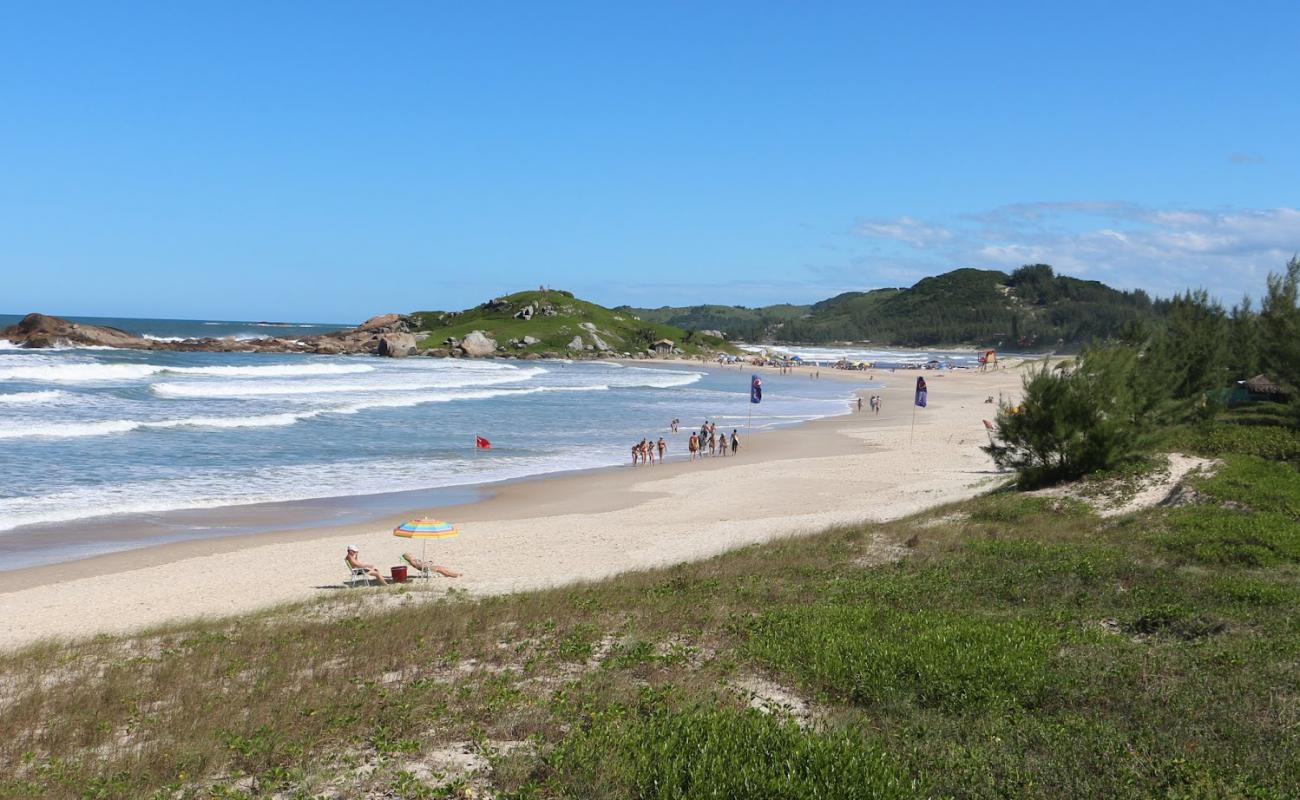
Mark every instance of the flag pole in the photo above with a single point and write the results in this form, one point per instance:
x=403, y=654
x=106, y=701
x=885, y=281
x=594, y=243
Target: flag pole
x=912, y=435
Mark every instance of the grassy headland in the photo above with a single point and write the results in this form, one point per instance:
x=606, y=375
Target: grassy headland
x=1029, y=308
x=1015, y=645
x=558, y=317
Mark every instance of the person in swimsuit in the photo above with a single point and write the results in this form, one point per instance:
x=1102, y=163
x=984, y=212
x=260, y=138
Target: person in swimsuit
x=735, y=441
x=663, y=448
x=694, y=445
x=722, y=444
x=355, y=562
x=649, y=451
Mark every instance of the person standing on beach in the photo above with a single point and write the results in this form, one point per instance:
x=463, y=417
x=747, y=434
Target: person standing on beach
x=877, y=405
x=713, y=444
x=663, y=448
x=735, y=441
x=722, y=444
x=694, y=445
x=859, y=405
x=649, y=451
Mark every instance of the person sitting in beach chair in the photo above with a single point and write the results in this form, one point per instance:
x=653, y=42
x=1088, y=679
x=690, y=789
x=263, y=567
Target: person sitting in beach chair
x=425, y=567
x=361, y=571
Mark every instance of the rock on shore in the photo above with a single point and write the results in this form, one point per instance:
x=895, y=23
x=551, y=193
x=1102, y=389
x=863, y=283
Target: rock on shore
x=388, y=334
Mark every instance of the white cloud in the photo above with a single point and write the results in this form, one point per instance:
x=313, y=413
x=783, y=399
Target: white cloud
x=1163, y=250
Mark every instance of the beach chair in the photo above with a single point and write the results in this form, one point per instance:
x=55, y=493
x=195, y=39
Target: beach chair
x=416, y=572
x=358, y=576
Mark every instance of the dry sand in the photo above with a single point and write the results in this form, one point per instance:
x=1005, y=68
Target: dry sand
x=583, y=526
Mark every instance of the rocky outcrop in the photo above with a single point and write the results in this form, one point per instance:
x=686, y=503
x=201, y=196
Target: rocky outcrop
x=396, y=345
x=576, y=345
x=386, y=323
x=478, y=344
x=600, y=344
x=40, y=330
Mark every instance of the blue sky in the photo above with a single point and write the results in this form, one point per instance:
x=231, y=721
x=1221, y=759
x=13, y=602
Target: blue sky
x=327, y=161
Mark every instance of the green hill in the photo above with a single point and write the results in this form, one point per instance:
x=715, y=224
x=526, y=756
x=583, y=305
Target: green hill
x=550, y=319
x=737, y=322
x=1031, y=307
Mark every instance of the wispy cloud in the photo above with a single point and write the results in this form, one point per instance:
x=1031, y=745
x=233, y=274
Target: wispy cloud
x=1164, y=250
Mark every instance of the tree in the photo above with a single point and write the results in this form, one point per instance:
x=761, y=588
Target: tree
x=1191, y=353
x=1075, y=419
x=1279, y=326
x=1243, y=341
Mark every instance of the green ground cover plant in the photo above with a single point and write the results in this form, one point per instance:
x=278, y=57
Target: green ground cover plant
x=1023, y=648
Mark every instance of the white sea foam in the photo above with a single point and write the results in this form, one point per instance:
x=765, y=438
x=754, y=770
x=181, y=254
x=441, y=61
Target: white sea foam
x=394, y=382
x=272, y=370
x=153, y=338
x=215, y=488
x=79, y=373
x=23, y=398
x=98, y=371
x=67, y=430
x=5, y=344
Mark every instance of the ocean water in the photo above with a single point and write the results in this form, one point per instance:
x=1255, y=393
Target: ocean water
x=177, y=329
x=881, y=357
x=92, y=437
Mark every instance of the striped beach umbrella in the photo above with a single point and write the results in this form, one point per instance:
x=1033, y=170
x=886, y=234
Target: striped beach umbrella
x=424, y=530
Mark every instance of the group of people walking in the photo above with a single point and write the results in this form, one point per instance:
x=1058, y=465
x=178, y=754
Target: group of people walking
x=645, y=451
x=648, y=450
x=873, y=401
x=717, y=444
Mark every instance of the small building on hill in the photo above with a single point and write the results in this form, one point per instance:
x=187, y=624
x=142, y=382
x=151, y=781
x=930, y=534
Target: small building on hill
x=663, y=347
x=1264, y=388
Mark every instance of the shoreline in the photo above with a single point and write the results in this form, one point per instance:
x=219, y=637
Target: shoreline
x=552, y=528
x=132, y=536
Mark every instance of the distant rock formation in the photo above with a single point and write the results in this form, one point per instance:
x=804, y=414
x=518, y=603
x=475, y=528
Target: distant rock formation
x=478, y=344
x=42, y=330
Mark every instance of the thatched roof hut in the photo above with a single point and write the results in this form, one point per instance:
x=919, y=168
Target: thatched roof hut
x=1263, y=385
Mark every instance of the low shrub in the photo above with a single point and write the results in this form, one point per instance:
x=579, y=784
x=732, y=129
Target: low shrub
x=1220, y=536
x=1256, y=484
x=1272, y=442
x=718, y=752
x=871, y=653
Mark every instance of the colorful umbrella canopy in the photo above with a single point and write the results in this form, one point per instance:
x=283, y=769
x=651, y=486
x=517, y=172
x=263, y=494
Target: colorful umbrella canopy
x=426, y=529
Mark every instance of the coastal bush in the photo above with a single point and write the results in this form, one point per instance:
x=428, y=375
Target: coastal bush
x=872, y=654
x=1076, y=419
x=712, y=752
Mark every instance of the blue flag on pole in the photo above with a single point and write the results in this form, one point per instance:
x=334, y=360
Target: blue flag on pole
x=755, y=389
x=921, y=392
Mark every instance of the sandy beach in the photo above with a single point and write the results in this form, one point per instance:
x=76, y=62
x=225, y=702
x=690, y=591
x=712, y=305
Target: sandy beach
x=582, y=526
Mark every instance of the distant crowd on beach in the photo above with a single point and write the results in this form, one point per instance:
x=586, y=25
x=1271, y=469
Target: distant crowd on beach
x=706, y=439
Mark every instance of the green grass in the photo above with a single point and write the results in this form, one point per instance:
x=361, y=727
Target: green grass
x=1025, y=648
x=621, y=330
x=874, y=655
x=707, y=751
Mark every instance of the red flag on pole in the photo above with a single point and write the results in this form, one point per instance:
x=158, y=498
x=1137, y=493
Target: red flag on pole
x=482, y=444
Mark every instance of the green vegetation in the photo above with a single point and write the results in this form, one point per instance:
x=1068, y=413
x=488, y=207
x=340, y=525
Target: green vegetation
x=737, y=322
x=1104, y=409
x=1021, y=646
x=1031, y=307
x=557, y=318
x=1024, y=648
